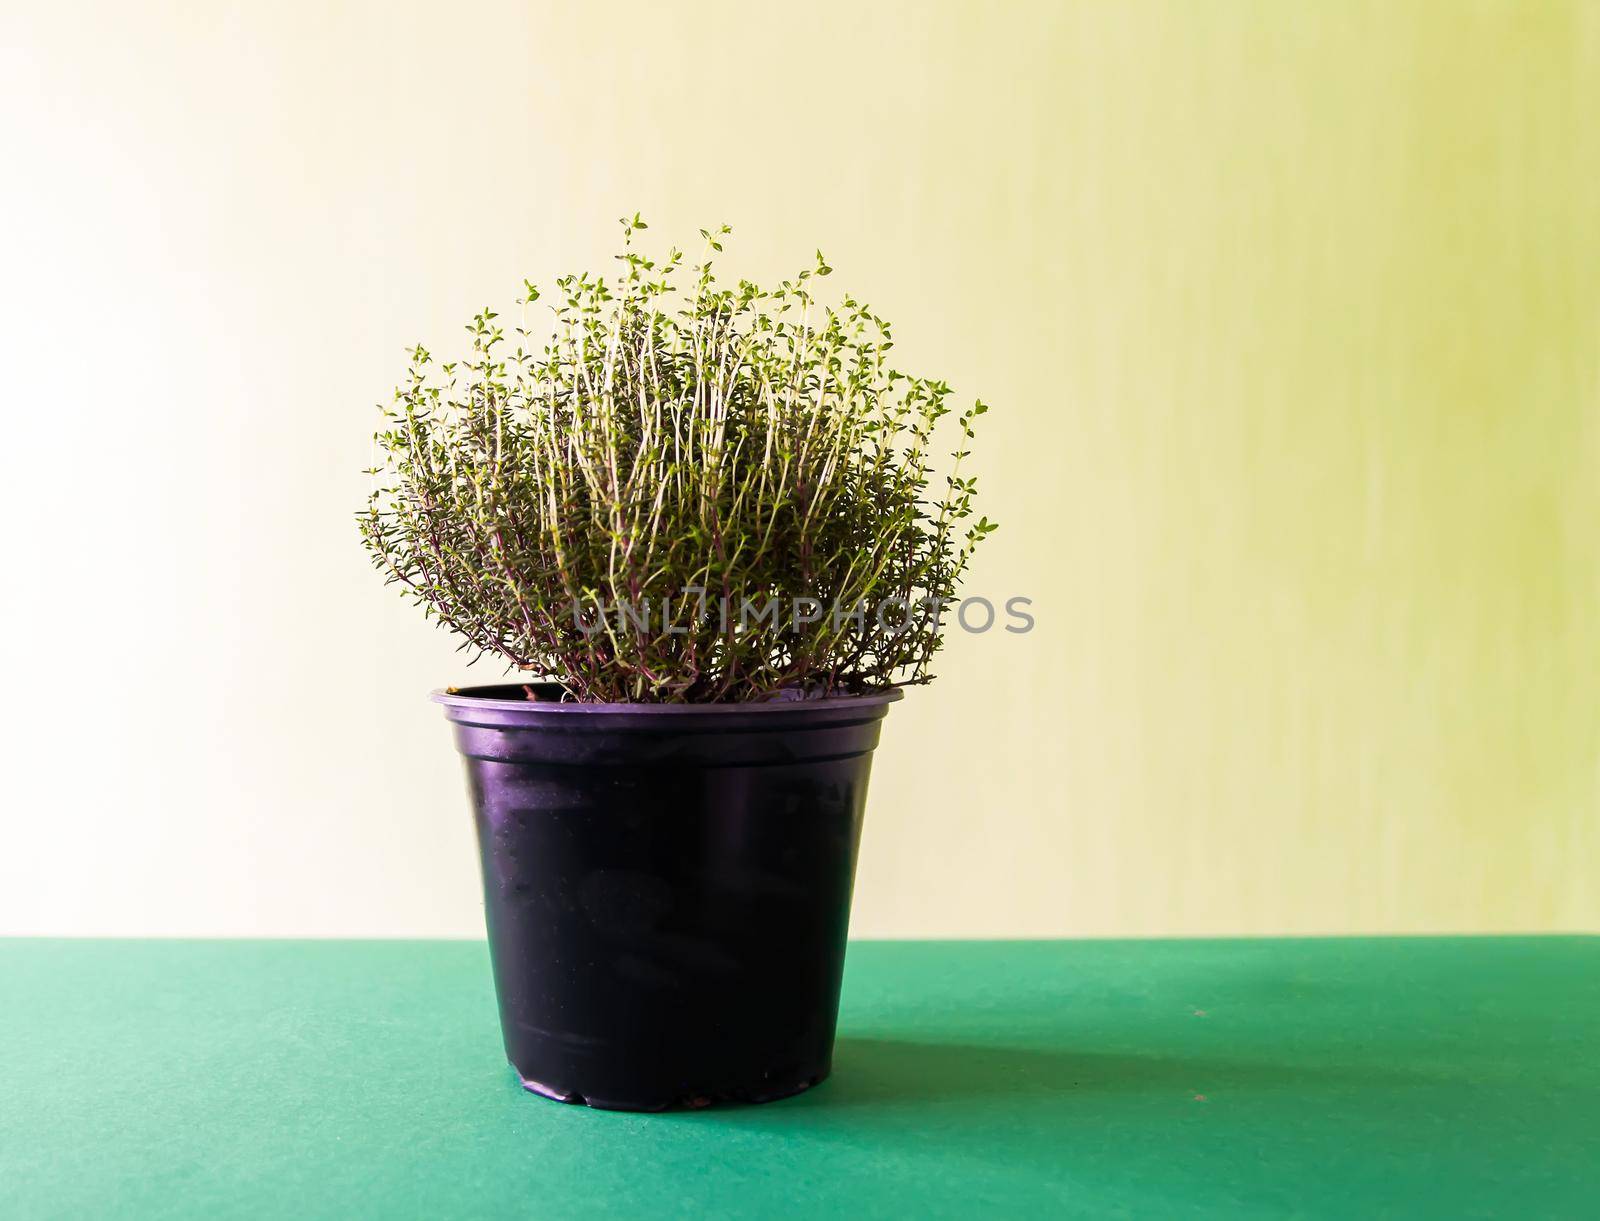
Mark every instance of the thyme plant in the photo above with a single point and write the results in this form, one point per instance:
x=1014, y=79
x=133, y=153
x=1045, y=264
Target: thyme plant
x=677, y=491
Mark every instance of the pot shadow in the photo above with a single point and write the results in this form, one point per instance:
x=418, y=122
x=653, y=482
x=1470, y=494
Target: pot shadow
x=953, y=1128
x=885, y=1072
x=937, y=1123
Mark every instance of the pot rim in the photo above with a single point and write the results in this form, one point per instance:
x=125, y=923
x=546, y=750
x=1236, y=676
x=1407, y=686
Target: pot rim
x=463, y=697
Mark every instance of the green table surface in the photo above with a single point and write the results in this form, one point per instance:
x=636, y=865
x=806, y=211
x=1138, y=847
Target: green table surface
x=1421, y=1077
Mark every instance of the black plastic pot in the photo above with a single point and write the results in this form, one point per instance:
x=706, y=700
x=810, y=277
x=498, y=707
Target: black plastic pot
x=667, y=888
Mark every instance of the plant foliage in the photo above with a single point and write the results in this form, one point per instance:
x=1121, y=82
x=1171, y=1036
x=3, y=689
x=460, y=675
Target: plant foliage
x=676, y=491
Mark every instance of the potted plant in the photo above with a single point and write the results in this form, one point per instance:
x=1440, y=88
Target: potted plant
x=707, y=531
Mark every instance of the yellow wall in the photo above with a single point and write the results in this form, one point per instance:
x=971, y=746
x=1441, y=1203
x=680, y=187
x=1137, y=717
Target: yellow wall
x=1289, y=312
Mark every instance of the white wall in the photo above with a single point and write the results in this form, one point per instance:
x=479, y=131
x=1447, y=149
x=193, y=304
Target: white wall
x=1288, y=314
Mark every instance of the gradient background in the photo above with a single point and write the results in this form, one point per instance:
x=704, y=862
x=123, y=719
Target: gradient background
x=1289, y=312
